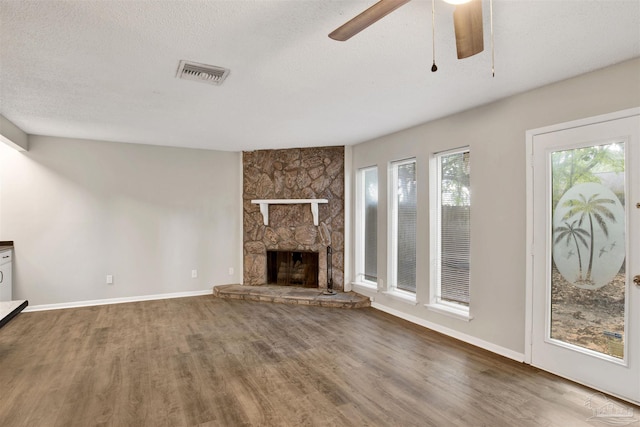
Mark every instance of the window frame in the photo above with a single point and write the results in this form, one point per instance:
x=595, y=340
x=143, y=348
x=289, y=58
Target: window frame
x=360, y=228
x=392, y=289
x=437, y=304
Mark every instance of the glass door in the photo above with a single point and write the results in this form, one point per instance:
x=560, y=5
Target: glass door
x=586, y=237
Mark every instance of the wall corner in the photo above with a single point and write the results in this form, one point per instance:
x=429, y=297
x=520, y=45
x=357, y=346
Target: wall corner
x=12, y=135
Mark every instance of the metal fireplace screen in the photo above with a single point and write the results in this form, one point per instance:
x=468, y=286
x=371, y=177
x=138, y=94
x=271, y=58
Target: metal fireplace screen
x=292, y=268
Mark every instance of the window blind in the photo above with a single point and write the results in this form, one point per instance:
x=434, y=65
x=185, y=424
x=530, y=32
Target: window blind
x=370, y=218
x=455, y=227
x=406, y=215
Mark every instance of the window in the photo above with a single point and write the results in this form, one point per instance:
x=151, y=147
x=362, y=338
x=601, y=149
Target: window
x=403, y=226
x=367, y=226
x=450, y=230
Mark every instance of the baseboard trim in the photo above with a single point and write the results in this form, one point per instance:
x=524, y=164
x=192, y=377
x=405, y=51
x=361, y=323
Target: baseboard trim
x=502, y=351
x=107, y=301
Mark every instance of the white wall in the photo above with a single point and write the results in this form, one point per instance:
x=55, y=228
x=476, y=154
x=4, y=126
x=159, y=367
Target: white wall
x=12, y=135
x=78, y=210
x=496, y=135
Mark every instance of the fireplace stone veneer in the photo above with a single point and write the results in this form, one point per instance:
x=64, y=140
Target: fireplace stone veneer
x=299, y=173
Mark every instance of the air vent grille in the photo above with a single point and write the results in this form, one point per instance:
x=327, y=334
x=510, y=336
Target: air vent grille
x=202, y=73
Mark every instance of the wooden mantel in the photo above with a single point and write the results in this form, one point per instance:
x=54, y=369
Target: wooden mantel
x=264, y=206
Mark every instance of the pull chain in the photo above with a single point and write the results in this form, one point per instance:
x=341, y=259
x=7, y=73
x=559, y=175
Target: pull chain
x=493, y=56
x=434, y=67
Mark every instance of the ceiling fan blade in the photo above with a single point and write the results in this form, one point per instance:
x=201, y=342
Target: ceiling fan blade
x=366, y=18
x=467, y=22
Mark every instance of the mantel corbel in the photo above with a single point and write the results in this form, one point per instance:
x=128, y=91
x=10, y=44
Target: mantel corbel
x=264, y=206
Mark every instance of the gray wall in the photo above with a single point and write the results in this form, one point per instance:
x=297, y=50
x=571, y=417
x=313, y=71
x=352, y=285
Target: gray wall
x=79, y=210
x=496, y=135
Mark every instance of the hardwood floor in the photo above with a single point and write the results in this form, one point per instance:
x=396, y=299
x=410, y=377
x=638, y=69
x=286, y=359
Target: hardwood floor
x=204, y=361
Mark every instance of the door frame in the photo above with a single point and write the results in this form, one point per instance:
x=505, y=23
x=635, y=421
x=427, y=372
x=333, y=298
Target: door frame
x=530, y=135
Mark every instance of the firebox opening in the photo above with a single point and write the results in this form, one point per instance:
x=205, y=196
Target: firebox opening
x=292, y=268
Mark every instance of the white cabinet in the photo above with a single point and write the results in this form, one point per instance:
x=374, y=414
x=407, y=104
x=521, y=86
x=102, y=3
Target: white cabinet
x=6, y=257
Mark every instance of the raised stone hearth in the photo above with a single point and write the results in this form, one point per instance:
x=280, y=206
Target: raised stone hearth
x=291, y=295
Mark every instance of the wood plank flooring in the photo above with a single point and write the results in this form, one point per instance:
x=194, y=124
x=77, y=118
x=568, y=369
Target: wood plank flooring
x=204, y=361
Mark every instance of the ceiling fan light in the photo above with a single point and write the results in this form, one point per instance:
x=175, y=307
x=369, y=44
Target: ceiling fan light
x=457, y=1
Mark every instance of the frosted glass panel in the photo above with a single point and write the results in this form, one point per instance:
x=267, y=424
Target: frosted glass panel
x=588, y=241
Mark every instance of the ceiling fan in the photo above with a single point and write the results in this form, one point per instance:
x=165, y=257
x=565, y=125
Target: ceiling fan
x=467, y=22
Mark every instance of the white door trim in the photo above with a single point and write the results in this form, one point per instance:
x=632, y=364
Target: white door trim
x=529, y=137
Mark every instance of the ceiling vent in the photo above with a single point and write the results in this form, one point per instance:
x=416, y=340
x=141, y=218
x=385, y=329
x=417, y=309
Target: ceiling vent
x=202, y=72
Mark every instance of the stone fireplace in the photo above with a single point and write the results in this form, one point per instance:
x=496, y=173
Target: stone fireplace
x=300, y=173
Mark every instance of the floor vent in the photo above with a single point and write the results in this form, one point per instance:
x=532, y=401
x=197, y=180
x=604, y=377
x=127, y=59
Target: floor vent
x=202, y=73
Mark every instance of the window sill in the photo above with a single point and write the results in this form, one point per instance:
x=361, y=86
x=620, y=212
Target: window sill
x=402, y=296
x=447, y=310
x=370, y=286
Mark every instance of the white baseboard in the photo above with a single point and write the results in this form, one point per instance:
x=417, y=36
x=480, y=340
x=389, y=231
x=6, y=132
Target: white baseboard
x=502, y=351
x=108, y=301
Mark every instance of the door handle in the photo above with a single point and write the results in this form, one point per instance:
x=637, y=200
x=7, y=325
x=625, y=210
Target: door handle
x=636, y=280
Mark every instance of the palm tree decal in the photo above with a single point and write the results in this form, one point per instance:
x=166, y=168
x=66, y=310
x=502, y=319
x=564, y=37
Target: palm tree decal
x=570, y=232
x=591, y=208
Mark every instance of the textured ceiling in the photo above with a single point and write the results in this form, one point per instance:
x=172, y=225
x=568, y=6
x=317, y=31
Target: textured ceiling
x=106, y=69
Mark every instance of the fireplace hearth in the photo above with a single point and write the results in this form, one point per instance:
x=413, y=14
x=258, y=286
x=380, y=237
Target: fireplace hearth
x=292, y=268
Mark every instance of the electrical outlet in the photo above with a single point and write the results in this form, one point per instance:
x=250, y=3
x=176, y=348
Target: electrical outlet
x=109, y=279
x=230, y=271
x=194, y=274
